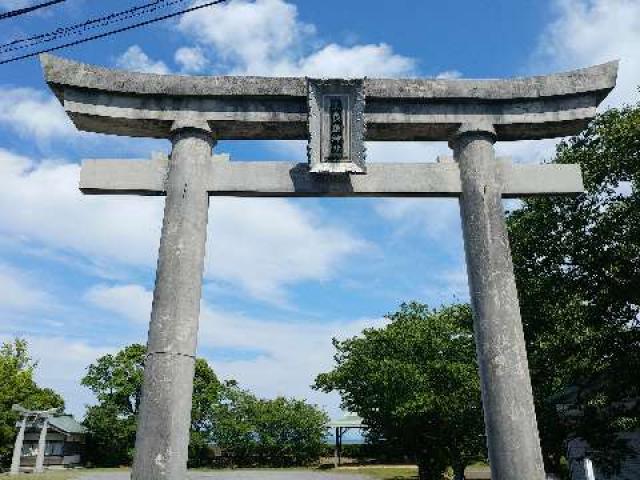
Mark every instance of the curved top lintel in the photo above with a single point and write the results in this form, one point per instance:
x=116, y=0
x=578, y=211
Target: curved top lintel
x=273, y=108
x=60, y=72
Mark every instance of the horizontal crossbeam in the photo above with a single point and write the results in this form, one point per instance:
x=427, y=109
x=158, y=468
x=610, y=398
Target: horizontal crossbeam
x=285, y=179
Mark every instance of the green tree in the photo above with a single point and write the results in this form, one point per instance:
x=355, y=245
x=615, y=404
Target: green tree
x=116, y=381
x=207, y=392
x=18, y=387
x=232, y=427
x=577, y=264
x=288, y=432
x=111, y=435
x=251, y=431
x=259, y=432
x=415, y=383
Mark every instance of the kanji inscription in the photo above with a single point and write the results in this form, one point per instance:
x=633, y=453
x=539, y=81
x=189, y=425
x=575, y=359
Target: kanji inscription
x=336, y=112
x=336, y=126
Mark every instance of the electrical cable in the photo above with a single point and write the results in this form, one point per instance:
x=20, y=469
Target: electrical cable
x=91, y=23
x=25, y=10
x=116, y=31
x=84, y=27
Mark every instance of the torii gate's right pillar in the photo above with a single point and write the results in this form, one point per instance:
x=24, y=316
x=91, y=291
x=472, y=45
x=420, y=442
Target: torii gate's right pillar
x=234, y=108
x=507, y=399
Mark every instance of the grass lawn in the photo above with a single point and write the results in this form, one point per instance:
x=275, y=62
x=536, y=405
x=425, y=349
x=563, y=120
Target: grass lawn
x=378, y=473
x=375, y=472
x=382, y=473
x=405, y=473
x=62, y=475
x=58, y=474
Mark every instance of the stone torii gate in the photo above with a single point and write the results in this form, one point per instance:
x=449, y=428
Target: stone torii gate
x=42, y=440
x=335, y=116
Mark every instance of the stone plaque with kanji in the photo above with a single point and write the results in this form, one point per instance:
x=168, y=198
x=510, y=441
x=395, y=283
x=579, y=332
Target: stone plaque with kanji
x=336, y=126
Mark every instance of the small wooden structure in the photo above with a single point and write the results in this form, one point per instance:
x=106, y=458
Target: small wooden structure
x=351, y=421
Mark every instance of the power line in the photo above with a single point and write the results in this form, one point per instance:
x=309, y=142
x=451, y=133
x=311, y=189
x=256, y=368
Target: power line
x=87, y=25
x=84, y=27
x=25, y=10
x=116, y=31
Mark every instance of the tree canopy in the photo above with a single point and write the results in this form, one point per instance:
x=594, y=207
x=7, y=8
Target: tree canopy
x=415, y=383
x=116, y=381
x=248, y=430
x=278, y=432
x=19, y=387
x=577, y=265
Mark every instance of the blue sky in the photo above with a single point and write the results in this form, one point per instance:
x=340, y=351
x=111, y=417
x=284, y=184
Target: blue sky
x=282, y=276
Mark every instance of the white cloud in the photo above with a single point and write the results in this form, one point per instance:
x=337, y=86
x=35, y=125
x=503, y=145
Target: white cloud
x=449, y=286
x=42, y=203
x=31, y=113
x=273, y=41
x=406, y=152
x=135, y=59
x=449, y=75
x=269, y=33
x=63, y=372
x=528, y=151
x=288, y=355
x=437, y=218
x=132, y=302
x=377, y=152
x=349, y=62
x=191, y=59
x=20, y=292
x=266, y=244
x=62, y=363
x=260, y=245
x=587, y=32
x=293, y=353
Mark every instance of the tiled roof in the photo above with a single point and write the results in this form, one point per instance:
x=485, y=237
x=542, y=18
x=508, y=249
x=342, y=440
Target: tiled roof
x=67, y=424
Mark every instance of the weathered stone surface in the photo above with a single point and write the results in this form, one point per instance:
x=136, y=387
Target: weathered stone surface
x=284, y=179
x=62, y=72
x=136, y=104
x=42, y=444
x=165, y=410
x=348, y=153
x=507, y=399
x=17, y=448
x=599, y=78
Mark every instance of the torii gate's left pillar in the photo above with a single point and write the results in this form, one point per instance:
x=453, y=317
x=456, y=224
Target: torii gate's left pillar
x=165, y=410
